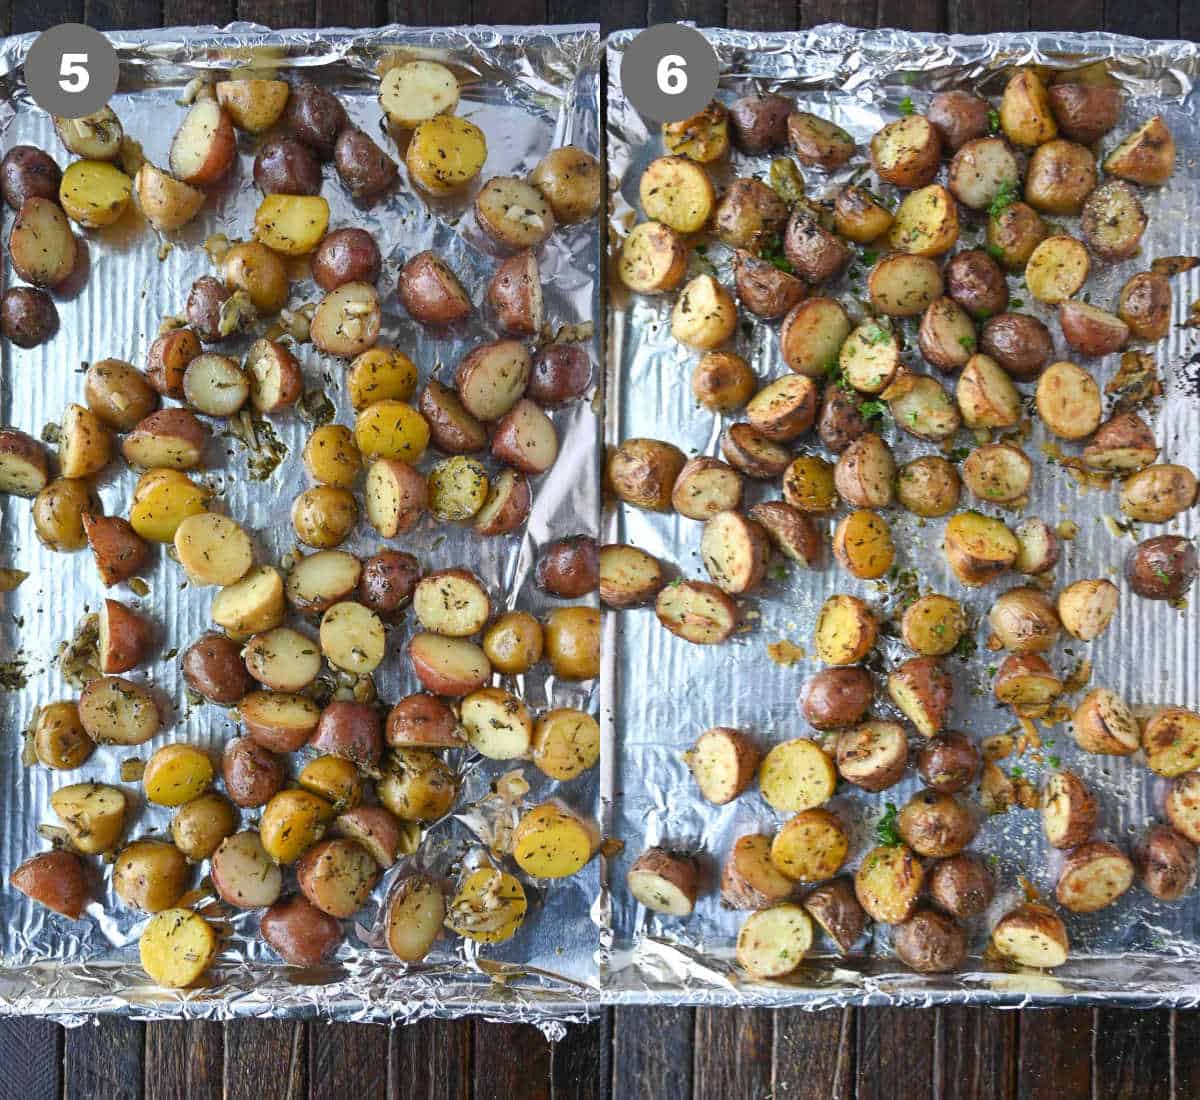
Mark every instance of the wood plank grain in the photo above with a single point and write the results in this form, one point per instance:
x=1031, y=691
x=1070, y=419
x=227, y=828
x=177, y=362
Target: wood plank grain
x=184, y=1061
x=280, y=14
x=515, y=11
x=895, y=1044
x=612, y=15
x=976, y=1054
x=1189, y=20
x=346, y=1060
x=429, y=13
x=813, y=1055
x=982, y=16
x=1187, y=1053
x=107, y=15
x=32, y=1066
x=704, y=13
x=1067, y=15
x=1145, y=18
x=350, y=13
x=1054, y=1054
x=913, y=15
x=104, y=1058
x=430, y=1059
x=509, y=1061
x=580, y=1062
x=652, y=1053
x=29, y=16
x=181, y=13
x=265, y=1060
x=1132, y=1053
x=733, y=1052
x=854, y=13
x=764, y=15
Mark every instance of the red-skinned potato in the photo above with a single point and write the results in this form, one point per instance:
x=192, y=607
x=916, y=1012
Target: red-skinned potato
x=124, y=636
x=41, y=245
x=276, y=381
x=351, y=730
x=1085, y=112
x=213, y=668
x=365, y=169
x=299, y=932
x=958, y=117
x=205, y=145
x=57, y=880
x=387, y=582
x=284, y=166
x=569, y=568
x=515, y=295
x=168, y=359
x=1090, y=330
x=561, y=373
x=347, y=255
x=395, y=496
x=253, y=774
x=277, y=721
x=507, y=505
x=525, y=438
x=169, y=438
x=423, y=721
x=448, y=666
x=431, y=292
x=118, y=551
x=315, y=116
x=376, y=829
x=337, y=876
x=922, y=689
x=166, y=202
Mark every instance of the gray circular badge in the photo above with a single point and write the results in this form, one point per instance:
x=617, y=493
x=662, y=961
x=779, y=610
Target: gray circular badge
x=669, y=72
x=71, y=70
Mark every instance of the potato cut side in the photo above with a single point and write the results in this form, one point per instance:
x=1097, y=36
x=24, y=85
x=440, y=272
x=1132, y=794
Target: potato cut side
x=773, y=942
x=697, y=612
x=488, y=908
x=244, y=874
x=497, y=723
x=283, y=659
x=176, y=774
x=254, y=105
x=448, y=666
x=162, y=502
x=665, y=882
x=117, y=711
x=320, y=580
x=749, y=879
x=566, y=743
x=177, y=947
x=552, y=841
x=1069, y=810
x=291, y=224
x=845, y=631
x=812, y=846
x=94, y=193
x=278, y=720
x=213, y=549
x=678, y=193
x=1032, y=935
x=1094, y=876
x=205, y=146
x=92, y=813
x=797, y=775
x=353, y=638
x=445, y=153
x=1171, y=740
x=453, y=602
x=417, y=90
x=724, y=762
x=415, y=914
x=888, y=883
x=252, y=604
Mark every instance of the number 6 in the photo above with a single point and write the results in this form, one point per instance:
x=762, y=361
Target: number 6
x=672, y=74
x=73, y=72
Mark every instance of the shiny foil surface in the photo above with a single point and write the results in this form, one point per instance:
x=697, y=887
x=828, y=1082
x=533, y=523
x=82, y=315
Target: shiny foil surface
x=530, y=89
x=661, y=692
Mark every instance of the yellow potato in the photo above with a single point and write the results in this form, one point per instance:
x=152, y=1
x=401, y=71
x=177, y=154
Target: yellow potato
x=176, y=774
x=213, y=549
x=292, y=822
x=92, y=813
x=380, y=374
x=797, y=775
x=94, y=193
x=445, y=153
x=391, y=429
x=177, y=946
x=551, y=841
x=254, y=105
x=566, y=742
x=291, y=224
x=488, y=908
x=335, y=779
x=255, y=603
x=812, y=846
x=331, y=457
x=458, y=487
x=162, y=500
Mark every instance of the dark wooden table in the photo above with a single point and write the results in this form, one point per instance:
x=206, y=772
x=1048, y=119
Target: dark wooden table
x=873, y=1054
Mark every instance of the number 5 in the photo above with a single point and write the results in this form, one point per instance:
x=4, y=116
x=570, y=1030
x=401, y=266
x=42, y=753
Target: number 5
x=672, y=74
x=73, y=72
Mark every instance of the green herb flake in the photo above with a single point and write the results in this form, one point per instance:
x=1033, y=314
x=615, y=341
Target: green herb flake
x=906, y=106
x=886, y=831
x=993, y=121
x=1005, y=197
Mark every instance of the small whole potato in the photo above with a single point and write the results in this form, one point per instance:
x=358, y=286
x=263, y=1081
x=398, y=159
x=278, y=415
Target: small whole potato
x=28, y=316
x=569, y=567
x=388, y=581
x=573, y=642
x=316, y=117
x=949, y=762
x=253, y=774
x=1024, y=620
x=935, y=824
x=569, y=178
x=760, y=122
x=1166, y=863
x=299, y=932
x=1085, y=112
x=958, y=117
x=930, y=942
x=642, y=472
x=723, y=381
x=204, y=302
x=1019, y=343
x=59, y=739
x=1162, y=568
x=974, y=280
x=28, y=173
x=350, y=730
x=835, y=698
x=514, y=643
x=1060, y=176
x=961, y=885
x=365, y=169
x=213, y=667
x=284, y=166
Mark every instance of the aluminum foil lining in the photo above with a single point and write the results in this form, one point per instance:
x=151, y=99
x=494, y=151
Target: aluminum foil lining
x=530, y=89
x=660, y=692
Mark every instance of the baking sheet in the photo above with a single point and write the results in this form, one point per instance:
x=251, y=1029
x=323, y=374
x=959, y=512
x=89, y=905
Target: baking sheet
x=529, y=89
x=661, y=692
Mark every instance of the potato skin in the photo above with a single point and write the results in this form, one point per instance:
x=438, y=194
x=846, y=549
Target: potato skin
x=1085, y=112
x=28, y=316
x=760, y=122
x=642, y=472
x=961, y=885
x=958, y=117
x=253, y=774
x=28, y=173
x=1021, y=344
x=936, y=824
x=299, y=932
x=763, y=289
x=1145, y=305
x=815, y=253
x=431, y=292
x=949, y=762
x=835, y=908
x=930, y=942
x=57, y=880
x=316, y=117
x=388, y=581
x=569, y=568
x=749, y=214
x=1166, y=863
x=837, y=697
x=365, y=169
x=285, y=166
x=840, y=423
x=561, y=373
x=1162, y=568
x=1060, y=176
x=204, y=302
x=347, y=255
x=213, y=667
x=974, y=280
x=422, y=719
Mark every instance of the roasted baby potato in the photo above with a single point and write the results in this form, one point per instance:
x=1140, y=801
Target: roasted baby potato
x=901, y=285
x=845, y=630
x=1147, y=156
x=983, y=170
x=835, y=908
x=1068, y=401
x=1162, y=568
x=1032, y=935
x=1145, y=305
x=760, y=122
x=922, y=689
x=41, y=245
x=57, y=880
x=930, y=942
x=961, y=885
x=570, y=180
x=949, y=762
x=1069, y=810
x=837, y=697
x=628, y=576
x=1060, y=176
x=642, y=472
x=166, y=202
x=254, y=105
x=999, y=473
x=974, y=280
x=1158, y=493
x=933, y=625
x=1025, y=114
x=723, y=381
x=1171, y=740
x=448, y=666
x=749, y=880
x=958, y=117
x=702, y=137
x=1094, y=876
x=59, y=739
x=85, y=445
x=928, y=486
x=697, y=611
x=1085, y=112
x=1183, y=805
x=863, y=545
x=253, y=774
x=1019, y=343
x=1039, y=547
x=705, y=314
x=291, y=224
x=947, y=336
x=205, y=145
x=27, y=172
x=888, y=883
x=925, y=409
x=150, y=875
x=763, y=288
x=28, y=316
x=58, y=512
x=907, y=151
x=810, y=847
x=490, y=906
x=386, y=585
x=1057, y=269
x=431, y=292
x=749, y=215
x=812, y=334
x=1027, y=684
x=817, y=141
x=1087, y=607
x=254, y=603
x=677, y=192
x=1103, y=723
x=1166, y=863
x=735, y=551
x=978, y=548
x=513, y=213
x=653, y=258
x=926, y=223
x=1024, y=620
x=872, y=756
x=797, y=775
x=1113, y=221
x=177, y=946
x=859, y=216
x=815, y=253
x=243, y=874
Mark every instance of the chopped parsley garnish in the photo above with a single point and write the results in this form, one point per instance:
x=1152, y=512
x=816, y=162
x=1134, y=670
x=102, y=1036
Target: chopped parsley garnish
x=1005, y=197
x=967, y=342
x=869, y=256
x=995, y=251
x=906, y=106
x=886, y=831
x=993, y=121
x=870, y=410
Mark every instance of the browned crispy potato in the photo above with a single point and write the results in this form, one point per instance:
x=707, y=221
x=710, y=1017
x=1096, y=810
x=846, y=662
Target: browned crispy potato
x=835, y=908
x=812, y=334
x=1085, y=112
x=961, y=885
x=924, y=409
x=999, y=473
x=1027, y=683
x=923, y=690
x=928, y=486
x=978, y=548
x=837, y=697
x=840, y=423
x=930, y=942
x=949, y=762
x=784, y=409
x=677, y=192
x=1068, y=401
x=907, y=151
x=1032, y=935
x=1061, y=174
x=1159, y=493
x=1183, y=805
x=932, y=625
x=1039, y=547
x=1087, y=607
x=845, y=630
x=926, y=222
x=1025, y=114
x=747, y=449
x=1103, y=723
x=947, y=335
x=872, y=756
x=888, y=883
x=1024, y=620
x=869, y=361
x=1094, y=876
x=702, y=137
x=431, y=292
x=958, y=117
x=1069, y=810
x=1145, y=305
x=791, y=532
x=735, y=551
x=1166, y=863
x=815, y=253
x=1122, y=444
x=983, y=170
x=1019, y=343
x=629, y=576
x=1162, y=568
x=1146, y=156
x=817, y=141
x=935, y=824
x=1170, y=739
x=706, y=486
x=1113, y=221
x=974, y=280
x=1057, y=269
x=865, y=472
x=1014, y=233
x=723, y=381
x=749, y=215
x=808, y=485
x=642, y=472
x=697, y=611
x=901, y=285
x=859, y=216
x=763, y=288
x=863, y=544
x=723, y=762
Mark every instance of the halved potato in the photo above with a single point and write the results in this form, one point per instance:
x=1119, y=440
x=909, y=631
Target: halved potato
x=252, y=604
x=116, y=711
x=797, y=775
x=1032, y=935
x=205, y=145
x=92, y=813
x=94, y=193
x=553, y=841
x=664, y=881
x=488, y=908
x=1057, y=269
x=723, y=762
x=677, y=192
x=926, y=222
x=1146, y=156
x=177, y=946
x=978, y=547
x=416, y=91
x=445, y=153
x=291, y=224
x=254, y=105
x=213, y=549
x=1025, y=114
